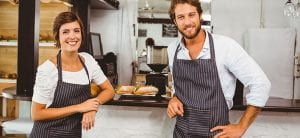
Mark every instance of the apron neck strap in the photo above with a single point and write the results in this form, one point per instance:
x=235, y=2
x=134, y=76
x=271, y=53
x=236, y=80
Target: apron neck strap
x=211, y=46
x=59, y=68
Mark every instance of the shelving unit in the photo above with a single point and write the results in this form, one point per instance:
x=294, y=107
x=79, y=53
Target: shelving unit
x=15, y=43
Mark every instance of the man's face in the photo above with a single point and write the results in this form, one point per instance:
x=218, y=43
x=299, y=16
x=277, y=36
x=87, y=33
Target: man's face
x=187, y=20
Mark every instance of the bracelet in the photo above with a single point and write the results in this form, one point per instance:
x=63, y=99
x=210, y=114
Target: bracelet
x=100, y=103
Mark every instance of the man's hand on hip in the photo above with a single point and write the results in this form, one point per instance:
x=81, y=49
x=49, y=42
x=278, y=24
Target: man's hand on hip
x=229, y=131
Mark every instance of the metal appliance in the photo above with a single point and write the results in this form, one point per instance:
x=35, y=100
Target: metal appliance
x=157, y=60
x=157, y=78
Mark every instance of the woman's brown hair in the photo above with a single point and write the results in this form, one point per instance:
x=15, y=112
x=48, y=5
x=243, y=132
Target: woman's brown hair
x=174, y=3
x=63, y=18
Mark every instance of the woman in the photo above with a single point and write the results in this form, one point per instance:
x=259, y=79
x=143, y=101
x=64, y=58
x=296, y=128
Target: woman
x=61, y=103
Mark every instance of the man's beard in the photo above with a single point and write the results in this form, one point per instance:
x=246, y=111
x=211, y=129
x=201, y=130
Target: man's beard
x=198, y=29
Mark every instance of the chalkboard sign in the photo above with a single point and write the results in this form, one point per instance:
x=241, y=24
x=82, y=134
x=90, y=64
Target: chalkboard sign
x=169, y=30
x=142, y=33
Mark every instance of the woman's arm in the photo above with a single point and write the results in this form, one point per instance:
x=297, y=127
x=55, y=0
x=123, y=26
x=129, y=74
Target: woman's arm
x=107, y=92
x=40, y=112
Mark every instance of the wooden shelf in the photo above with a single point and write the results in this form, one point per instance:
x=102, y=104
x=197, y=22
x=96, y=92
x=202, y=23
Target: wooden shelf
x=4, y=43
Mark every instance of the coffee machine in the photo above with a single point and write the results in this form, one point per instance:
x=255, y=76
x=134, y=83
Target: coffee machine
x=157, y=78
x=157, y=61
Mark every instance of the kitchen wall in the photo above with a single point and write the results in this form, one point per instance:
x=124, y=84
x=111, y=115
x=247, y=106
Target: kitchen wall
x=117, y=32
x=235, y=18
x=153, y=31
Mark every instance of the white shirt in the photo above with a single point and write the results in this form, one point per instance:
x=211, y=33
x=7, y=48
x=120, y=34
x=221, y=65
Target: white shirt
x=47, y=77
x=232, y=63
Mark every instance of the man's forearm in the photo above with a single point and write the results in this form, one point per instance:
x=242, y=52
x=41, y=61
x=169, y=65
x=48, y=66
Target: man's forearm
x=249, y=116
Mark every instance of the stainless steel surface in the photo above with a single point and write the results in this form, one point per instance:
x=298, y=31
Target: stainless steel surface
x=10, y=93
x=157, y=55
x=102, y=4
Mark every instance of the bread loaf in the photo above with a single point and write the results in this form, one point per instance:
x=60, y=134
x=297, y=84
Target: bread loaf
x=146, y=90
x=125, y=89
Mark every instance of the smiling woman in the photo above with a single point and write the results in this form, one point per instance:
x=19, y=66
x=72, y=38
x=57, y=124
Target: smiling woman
x=62, y=87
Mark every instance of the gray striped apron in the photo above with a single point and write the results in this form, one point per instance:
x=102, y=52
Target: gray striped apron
x=66, y=94
x=197, y=86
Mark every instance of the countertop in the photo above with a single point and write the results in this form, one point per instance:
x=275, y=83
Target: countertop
x=137, y=100
x=273, y=104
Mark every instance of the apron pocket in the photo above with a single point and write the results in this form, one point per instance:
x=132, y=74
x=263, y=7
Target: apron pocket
x=198, y=121
x=61, y=133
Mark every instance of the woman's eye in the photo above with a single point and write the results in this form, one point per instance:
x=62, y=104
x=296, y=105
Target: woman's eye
x=77, y=31
x=65, y=32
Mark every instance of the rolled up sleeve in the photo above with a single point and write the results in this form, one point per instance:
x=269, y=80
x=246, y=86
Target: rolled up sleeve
x=251, y=75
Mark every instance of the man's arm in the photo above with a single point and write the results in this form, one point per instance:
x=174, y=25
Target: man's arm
x=249, y=116
x=175, y=107
x=238, y=130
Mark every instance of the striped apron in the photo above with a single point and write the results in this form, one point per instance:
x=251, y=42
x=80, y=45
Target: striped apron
x=66, y=94
x=198, y=87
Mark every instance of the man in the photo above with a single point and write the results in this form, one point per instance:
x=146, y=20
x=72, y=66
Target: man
x=205, y=68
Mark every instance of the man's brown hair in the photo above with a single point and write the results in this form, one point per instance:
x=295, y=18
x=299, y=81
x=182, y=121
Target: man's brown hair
x=174, y=3
x=63, y=18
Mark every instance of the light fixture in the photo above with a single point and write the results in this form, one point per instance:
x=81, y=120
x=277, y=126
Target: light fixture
x=147, y=9
x=147, y=6
x=291, y=10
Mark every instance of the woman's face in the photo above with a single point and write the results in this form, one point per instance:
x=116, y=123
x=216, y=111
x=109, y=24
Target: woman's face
x=70, y=36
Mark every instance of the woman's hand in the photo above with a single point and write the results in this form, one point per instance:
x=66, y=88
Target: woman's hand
x=88, y=120
x=88, y=105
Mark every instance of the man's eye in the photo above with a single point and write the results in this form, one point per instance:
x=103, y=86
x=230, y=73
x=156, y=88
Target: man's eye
x=192, y=15
x=180, y=17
